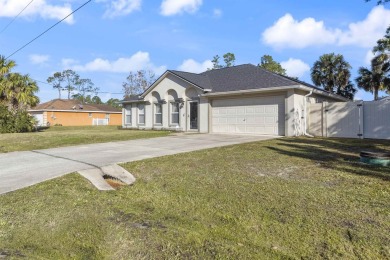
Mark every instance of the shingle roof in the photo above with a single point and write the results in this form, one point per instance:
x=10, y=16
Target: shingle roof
x=241, y=77
x=74, y=105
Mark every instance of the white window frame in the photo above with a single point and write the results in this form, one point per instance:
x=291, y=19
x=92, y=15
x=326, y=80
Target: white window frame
x=156, y=114
x=128, y=115
x=171, y=113
x=143, y=113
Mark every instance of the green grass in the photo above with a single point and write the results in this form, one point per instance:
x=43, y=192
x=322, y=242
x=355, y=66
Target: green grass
x=57, y=136
x=279, y=199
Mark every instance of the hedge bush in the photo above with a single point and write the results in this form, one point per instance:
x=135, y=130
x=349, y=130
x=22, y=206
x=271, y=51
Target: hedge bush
x=15, y=122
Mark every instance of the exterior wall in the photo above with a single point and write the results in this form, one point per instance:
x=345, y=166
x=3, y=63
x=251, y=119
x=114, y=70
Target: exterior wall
x=315, y=119
x=297, y=114
x=170, y=89
x=76, y=118
x=290, y=113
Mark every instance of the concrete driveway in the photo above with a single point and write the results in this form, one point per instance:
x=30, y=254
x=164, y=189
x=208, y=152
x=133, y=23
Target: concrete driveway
x=22, y=169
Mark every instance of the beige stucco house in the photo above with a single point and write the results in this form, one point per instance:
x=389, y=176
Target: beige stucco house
x=242, y=99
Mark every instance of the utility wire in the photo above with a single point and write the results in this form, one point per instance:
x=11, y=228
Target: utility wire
x=5, y=28
x=48, y=29
x=101, y=92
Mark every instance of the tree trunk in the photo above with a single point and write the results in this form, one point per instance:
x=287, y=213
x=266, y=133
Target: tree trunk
x=376, y=94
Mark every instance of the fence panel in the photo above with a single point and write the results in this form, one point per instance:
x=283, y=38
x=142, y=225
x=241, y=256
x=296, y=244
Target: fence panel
x=376, y=118
x=350, y=119
x=342, y=119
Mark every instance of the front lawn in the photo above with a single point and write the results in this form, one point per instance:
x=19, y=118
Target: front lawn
x=286, y=198
x=57, y=136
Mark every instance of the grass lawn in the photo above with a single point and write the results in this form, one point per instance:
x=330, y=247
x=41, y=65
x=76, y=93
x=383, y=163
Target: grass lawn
x=287, y=198
x=57, y=136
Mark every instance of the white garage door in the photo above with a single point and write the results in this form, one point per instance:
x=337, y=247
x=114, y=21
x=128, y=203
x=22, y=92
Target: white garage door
x=39, y=118
x=260, y=115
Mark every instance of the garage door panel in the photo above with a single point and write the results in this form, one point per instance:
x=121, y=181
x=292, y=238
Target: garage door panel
x=249, y=115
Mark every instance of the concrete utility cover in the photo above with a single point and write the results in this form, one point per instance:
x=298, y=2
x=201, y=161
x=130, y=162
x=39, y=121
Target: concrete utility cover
x=95, y=176
x=22, y=169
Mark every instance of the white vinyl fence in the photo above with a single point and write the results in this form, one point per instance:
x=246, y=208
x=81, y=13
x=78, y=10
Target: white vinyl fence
x=100, y=121
x=359, y=119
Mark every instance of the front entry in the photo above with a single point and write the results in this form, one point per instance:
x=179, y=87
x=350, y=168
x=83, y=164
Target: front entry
x=193, y=115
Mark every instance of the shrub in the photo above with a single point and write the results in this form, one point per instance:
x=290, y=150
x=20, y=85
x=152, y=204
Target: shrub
x=15, y=122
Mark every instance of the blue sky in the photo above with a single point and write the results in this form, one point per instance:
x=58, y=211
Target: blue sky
x=106, y=40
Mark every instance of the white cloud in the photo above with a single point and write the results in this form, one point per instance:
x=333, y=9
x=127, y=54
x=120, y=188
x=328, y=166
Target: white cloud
x=172, y=7
x=295, y=67
x=290, y=33
x=67, y=63
x=193, y=66
x=138, y=61
x=217, y=13
x=38, y=59
x=120, y=7
x=11, y=8
x=365, y=33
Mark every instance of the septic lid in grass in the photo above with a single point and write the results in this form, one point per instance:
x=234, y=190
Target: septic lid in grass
x=375, y=158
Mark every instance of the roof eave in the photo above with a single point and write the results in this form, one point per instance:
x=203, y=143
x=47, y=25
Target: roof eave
x=247, y=91
x=323, y=93
x=148, y=90
x=82, y=111
x=274, y=89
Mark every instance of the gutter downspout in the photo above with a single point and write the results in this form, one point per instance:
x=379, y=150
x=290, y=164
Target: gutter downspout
x=305, y=111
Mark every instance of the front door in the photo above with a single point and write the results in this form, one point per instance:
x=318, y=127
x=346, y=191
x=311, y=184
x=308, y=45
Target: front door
x=193, y=115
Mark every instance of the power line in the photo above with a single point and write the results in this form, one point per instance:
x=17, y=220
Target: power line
x=101, y=92
x=5, y=28
x=48, y=29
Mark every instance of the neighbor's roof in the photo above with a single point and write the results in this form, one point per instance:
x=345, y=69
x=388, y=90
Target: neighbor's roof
x=241, y=77
x=74, y=105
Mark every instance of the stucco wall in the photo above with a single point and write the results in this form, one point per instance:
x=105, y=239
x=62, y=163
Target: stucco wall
x=76, y=118
x=168, y=90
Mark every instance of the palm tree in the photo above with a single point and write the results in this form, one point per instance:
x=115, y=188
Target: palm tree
x=383, y=44
x=332, y=73
x=5, y=66
x=19, y=92
x=378, y=78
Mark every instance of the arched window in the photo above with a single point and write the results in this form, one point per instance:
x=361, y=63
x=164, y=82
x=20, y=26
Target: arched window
x=157, y=108
x=174, y=108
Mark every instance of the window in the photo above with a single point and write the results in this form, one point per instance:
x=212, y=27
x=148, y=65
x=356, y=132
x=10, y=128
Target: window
x=158, y=114
x=108, y=117
x=174, y=113
x=141, y=114
x=128, y=116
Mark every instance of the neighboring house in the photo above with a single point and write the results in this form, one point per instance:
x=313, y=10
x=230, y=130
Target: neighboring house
x=68, y=112
x=239, y=99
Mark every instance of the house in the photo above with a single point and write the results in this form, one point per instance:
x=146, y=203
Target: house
x=69, y=112
x=243, y=99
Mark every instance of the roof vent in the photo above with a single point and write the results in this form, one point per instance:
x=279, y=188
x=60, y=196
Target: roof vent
x=80, y=106
x=74, y=107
